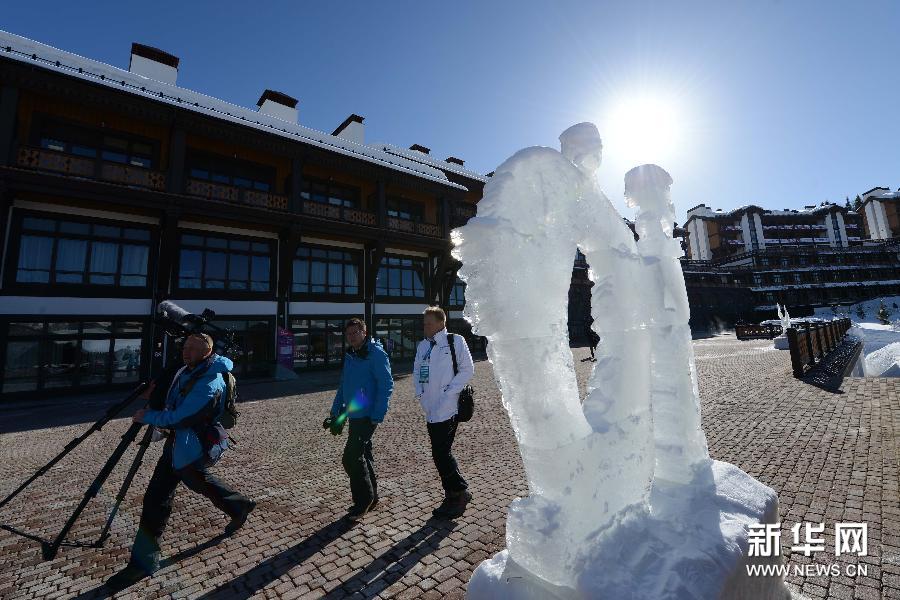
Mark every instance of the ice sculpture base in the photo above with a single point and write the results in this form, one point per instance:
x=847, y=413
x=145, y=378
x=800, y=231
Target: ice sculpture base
x=781, y=343
x=700, y=553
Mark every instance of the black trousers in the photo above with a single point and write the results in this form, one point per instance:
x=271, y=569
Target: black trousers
x=158, y=503
x=359, y=463
x=442, y=435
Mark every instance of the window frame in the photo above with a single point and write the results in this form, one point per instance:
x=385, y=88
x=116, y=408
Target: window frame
x=354, y=253
x=426, y=283
x=45, y=339
x=414, y=208
x=310, y=331
x=225, y=292
x=417, y=327
x=233, y=169
x=461, y=285
x=307, y=193
x=84, y=289
x=76, y=133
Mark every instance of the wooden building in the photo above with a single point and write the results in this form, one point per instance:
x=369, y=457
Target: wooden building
x=119, y=189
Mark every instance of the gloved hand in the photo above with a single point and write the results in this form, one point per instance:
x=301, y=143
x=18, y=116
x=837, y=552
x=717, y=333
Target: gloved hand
x=334, y=424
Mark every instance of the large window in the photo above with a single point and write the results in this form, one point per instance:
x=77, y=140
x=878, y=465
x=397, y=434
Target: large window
x=329, y=192
x=110, y=147
x=400, y=335
x=64, y=251
x=227, y=171
x=213, y=262
x=326, y=271
x=401, y=277
x=407, y=210
x=318, y=341
x=43, y=355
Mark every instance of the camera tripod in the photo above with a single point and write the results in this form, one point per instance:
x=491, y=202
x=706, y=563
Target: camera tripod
x=49, y=549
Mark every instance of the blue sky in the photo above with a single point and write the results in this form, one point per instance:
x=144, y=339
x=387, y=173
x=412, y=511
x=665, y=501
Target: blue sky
x=780, y=104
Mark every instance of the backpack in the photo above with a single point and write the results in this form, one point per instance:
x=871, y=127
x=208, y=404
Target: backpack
x=229, y=415
x=229, y=412
x=466, y=407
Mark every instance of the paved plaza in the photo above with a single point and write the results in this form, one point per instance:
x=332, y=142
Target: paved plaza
x=832, y=456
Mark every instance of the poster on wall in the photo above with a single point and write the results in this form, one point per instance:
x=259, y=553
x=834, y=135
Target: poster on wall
x=285, y=361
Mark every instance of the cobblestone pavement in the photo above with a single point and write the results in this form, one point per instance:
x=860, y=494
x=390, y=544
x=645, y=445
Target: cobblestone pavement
x=830, y=456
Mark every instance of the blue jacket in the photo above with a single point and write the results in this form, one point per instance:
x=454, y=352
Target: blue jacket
x=182, y=414
x=366, y=385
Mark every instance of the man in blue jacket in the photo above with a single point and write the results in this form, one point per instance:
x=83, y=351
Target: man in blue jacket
x=195, y=398
x=362, y=398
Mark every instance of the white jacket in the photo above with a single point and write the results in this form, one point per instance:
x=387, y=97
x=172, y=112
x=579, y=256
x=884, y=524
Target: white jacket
x=440, y=395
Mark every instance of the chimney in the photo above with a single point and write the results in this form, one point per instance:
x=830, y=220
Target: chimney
x=153, y=63
x=352, y=129
x=418, y=148
x=278, y=105
x=455, y=161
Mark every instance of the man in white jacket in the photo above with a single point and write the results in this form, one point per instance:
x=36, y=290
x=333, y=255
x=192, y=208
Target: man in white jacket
x=437, y=389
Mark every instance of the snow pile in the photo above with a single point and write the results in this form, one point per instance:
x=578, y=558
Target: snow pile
x=624, y=500
x=881, y=340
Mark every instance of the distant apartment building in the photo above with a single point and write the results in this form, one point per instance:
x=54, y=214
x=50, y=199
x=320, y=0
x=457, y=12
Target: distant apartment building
x=738, y=264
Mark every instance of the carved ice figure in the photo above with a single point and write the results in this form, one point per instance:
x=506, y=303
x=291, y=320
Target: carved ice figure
x=680, y=444
x=539, y=206
x=623, y=501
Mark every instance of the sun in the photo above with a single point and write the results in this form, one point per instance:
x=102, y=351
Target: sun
x=642, y=129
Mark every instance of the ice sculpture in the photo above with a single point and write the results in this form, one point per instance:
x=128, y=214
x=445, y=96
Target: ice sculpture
x=781, y=342
x=624, y=501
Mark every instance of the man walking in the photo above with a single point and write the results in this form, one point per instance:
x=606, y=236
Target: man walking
x=437, y=388
x=195, y=398
x=362, y=399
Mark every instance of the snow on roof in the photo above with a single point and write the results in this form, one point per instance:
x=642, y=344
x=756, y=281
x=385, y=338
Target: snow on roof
x=425, y=159
x=806, y=212
x=24, y=50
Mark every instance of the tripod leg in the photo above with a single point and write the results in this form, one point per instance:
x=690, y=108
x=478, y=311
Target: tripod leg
x=110, y=413
x=135, y=466
x=49, y=550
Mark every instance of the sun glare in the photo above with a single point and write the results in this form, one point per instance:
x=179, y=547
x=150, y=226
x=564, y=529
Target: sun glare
x=642, y=129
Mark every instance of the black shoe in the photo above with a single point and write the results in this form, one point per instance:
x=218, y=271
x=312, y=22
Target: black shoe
x=454, y=505
x=356, y=513
x=371, y=506
x=238, y=521
x=126, y=578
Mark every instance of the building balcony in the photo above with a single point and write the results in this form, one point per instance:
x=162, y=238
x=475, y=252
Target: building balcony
x=803, y=226
x=405, y=226
x=41, y=159
x=339, y=213
x=236, y=195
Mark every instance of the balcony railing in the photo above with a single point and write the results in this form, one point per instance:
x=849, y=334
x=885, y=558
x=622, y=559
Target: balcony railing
x=79, y=166
x=412, y=227
x=339, y=213
x=230, y=193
